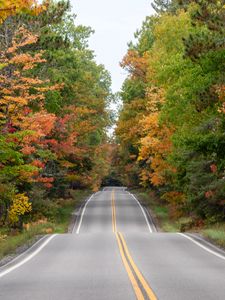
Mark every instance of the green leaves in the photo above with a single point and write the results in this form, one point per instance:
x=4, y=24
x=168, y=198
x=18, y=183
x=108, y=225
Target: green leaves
x=176, y=145
x=54, y=114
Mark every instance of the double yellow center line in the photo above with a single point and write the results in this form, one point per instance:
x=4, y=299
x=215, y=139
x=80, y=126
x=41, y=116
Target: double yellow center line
x=140, y=285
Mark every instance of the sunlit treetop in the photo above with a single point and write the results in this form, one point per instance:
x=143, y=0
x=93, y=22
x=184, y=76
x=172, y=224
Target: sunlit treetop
x=13, y=7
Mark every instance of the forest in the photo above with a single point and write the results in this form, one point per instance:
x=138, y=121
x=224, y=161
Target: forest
x=112, y=149
x=54, y=110
x=171, y=128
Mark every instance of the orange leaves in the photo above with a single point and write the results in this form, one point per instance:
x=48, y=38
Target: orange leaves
x=221, y=94
x=135, y=64
x=128, y=127
x=37, y=163
x=140, y=124
x=42, y=123
x=174, y=197
x=27, y=150
x=47, y=181
x=155, y=98
x=14, y=56
x=45, y=145
x=176, y=200
x=26, y=60
x=156, y=143
x=13, y=7
x=18, y=92
x=22, y=37
x=15, y=86
x=53, y=87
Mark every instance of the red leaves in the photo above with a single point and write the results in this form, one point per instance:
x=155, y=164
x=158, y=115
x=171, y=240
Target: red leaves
x=42, y=123
x=28, y=150
x=47, y=181
x=209, y=194
x=213, y=168
x=39, y=164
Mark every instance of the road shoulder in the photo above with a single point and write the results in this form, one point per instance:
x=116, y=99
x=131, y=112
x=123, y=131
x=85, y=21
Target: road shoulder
x=22, y=242
x=213, y=235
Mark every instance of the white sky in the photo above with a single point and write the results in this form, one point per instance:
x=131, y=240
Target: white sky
x=114, y=22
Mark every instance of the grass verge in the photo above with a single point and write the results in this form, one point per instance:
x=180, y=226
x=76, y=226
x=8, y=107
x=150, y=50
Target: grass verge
x=213, y=232
x=10, y=241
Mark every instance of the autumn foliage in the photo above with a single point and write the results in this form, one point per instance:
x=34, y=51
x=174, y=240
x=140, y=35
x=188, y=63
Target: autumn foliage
x=171, y=127
x=52, y=121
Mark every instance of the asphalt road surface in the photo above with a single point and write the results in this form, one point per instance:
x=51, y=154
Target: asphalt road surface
x=115, y=253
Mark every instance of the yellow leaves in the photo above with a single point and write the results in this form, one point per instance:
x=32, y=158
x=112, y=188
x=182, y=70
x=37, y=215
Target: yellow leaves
x=82, y=111
x=18, y=100
x=13, y=7
x=170, y=31
x=176, y=200
x=144, y=177
x=3, y=237
x=74, y=178
x=28, y=175
x=150, y=123
x=155, y=97
x=155, y=145
x=20, y=206
x=174, y=197
x=3, y=66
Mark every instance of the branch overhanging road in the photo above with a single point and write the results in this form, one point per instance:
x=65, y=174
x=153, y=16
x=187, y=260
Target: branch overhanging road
x=115, y=253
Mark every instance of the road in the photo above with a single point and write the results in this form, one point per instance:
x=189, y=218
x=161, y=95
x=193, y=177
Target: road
x=115, y=253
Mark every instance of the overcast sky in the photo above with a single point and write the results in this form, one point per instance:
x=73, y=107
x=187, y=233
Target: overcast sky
x=114, y=22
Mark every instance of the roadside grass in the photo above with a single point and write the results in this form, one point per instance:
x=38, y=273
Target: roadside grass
x=159, y=211
x=10, y=241
x=213, y=232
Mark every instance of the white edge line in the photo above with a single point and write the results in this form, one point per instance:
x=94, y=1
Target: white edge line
x=23, y=253
x=146, y=219
x=82, y=215
x=203, y=247
x=75, y=223
x=29, y=257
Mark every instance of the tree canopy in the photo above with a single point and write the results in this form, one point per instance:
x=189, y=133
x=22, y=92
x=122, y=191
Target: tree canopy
x=171, y=127
x=54, y=107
